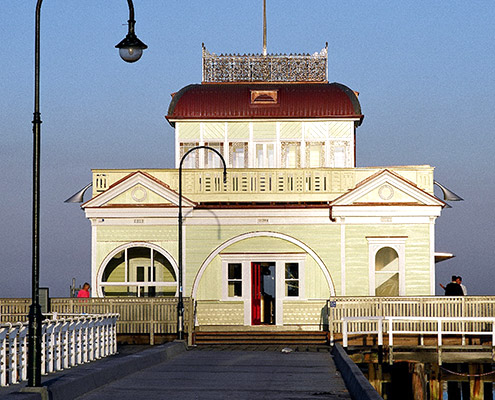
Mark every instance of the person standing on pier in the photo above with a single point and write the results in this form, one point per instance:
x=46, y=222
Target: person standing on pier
x=453, y=288
x=459, y=282
x=84, y=292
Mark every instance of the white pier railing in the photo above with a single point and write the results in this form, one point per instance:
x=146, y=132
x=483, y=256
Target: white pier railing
x=420, y=326
x=67, y=340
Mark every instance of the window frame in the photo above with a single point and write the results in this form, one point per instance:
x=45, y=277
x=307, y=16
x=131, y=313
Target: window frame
x=235, y=280
x=298, y=279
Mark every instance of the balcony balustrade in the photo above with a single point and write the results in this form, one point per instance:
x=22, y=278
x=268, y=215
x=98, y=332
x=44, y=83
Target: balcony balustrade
x=266, y=185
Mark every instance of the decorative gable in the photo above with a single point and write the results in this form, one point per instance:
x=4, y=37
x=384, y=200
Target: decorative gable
x=138, y=189
x=387, y=188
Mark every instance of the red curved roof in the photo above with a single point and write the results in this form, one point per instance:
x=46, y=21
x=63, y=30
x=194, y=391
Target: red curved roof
x=233, y=101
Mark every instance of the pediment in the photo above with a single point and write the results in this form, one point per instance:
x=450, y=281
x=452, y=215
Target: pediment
x=387, y=188
x=138, y=189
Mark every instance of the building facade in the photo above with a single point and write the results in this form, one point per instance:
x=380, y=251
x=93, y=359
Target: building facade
x=294, y=223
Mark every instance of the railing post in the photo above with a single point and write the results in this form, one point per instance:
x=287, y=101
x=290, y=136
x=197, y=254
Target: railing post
x=12, y=355
x=344, y=332
x=439, y=333
x=4, y=331
x=73, y=343
x=493, y=339
x=191, y=327
x=390, y=341
x=380, y=331
x=58, y=345
x=23, y=350
x=151, y=322
x=43, y=348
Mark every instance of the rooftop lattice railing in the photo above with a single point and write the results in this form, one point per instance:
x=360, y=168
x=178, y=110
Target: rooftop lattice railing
x=265, y=68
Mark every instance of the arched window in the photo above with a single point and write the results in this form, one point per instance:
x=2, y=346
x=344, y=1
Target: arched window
x=140, y=271
x=387, y=263
x=386, y=272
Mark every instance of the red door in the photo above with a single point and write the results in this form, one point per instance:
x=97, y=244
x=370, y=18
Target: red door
x=256, y=293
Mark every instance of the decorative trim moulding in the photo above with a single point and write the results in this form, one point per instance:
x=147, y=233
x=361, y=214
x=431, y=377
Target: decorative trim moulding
x=269, y=68
x=386, y=211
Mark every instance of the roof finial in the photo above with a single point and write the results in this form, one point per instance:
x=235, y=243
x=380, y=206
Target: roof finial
x=264, y=27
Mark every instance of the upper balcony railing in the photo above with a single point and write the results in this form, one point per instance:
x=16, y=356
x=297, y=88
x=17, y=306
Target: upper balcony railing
x=262, y=185
x=265, y=68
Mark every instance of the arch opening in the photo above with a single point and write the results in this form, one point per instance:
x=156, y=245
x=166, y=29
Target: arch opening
x=138, y=270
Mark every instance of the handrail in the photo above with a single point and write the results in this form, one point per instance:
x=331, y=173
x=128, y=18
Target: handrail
x=464, y=326
x=67, y=340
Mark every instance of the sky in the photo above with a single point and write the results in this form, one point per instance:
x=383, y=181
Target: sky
x=424, y=70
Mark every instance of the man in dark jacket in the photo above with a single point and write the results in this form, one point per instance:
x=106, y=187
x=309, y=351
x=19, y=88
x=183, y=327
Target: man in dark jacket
x=453, y=288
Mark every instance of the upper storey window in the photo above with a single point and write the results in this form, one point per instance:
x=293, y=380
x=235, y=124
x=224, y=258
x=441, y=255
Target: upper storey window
x=315, y=154
x=238, y=152
x=291, y=155
x=212, y=160
x=265, y=155
x=192, y=159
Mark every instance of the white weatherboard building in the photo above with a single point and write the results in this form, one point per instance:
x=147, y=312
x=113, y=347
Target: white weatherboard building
x=296, y=221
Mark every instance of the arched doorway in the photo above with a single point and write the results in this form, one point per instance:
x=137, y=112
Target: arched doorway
x=261, y=278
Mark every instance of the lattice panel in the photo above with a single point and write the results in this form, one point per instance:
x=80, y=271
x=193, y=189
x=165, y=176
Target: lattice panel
x=340, y=129
x=290, y=130
x=316, y=130
x=213, y=130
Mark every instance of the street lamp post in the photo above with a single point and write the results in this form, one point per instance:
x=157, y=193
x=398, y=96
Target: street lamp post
x=130, y=49
x=180, y=305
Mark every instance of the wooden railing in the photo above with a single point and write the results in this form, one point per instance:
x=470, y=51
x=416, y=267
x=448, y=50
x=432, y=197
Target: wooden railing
x=150, y=316
x=436, y=307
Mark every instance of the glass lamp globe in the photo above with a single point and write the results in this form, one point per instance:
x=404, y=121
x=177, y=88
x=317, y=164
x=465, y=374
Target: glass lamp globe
x=131, y=48
x=130, y=54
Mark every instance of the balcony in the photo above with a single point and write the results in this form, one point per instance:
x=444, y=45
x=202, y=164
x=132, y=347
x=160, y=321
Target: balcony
x=266, y=185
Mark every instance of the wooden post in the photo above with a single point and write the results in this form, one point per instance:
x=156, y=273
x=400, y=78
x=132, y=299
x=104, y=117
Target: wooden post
x=418, y=381
x=375, y=376
x=436, y=392
x=476, y=387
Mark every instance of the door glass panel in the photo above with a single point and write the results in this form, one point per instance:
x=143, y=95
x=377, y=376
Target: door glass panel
x=139, y=274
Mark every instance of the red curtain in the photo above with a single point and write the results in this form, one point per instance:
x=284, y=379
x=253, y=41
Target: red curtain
x=256, y=293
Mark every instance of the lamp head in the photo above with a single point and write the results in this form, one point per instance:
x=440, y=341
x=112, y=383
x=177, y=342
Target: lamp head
x=131, y=48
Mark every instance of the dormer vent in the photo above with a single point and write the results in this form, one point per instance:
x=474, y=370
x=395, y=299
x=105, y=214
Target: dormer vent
x=264, y=96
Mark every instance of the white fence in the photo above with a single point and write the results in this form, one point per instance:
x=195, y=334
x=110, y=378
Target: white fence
x=67, y=340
